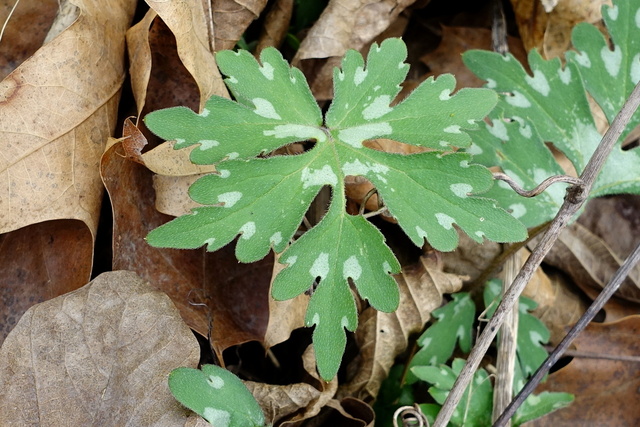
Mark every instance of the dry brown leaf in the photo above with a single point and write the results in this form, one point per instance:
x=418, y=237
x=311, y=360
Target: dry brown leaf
x=172, y=194
x=97, y=356
x=231, y=18
x=447, y=58
x=16, y=44
x=348, y=411
x=276, y=25
x=606, y=391
x=344, y=24
x=139, y=51
x=178, y=273
x=298, y=401
x=550, y=32
x=57, y=110
x=40, y=262
x=187, y=22
x=590, y=262
x=470, y=258
x=383, y=336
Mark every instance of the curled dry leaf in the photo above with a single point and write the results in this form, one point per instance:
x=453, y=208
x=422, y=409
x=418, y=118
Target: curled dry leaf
x=231, y=18
x=281, y=401
x=187, y=22
x=550, y=31
x=97, y=356
x=470, y=258
x=604, y=388
x=276, y=25
x=344, y=24
x=383, y=336
x=590, y=262
x=139, y=51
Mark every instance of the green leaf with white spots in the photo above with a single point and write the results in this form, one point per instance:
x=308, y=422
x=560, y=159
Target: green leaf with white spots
x=217, y=395
x=454, y=324
x=553, y=100
x=532, y=333
x=476, y=402
x=264, y=199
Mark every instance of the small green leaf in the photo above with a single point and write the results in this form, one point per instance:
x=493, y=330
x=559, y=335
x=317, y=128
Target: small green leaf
x=454, y=323
x=532, y=333
x=216, y=395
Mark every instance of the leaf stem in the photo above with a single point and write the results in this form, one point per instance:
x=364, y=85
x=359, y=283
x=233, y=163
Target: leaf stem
x=576, y=195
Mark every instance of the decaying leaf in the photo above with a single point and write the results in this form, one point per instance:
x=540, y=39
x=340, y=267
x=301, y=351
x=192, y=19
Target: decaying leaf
x=383, y=336
x=605, y=389
x=276, y=24
x=231, y=19
x=97, y=356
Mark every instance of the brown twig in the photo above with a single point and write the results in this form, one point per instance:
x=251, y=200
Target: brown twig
x=576, y=195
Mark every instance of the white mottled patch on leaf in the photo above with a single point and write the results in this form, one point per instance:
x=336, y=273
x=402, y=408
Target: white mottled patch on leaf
x=291, y=260
x=320, y=267
x=444, y=143
x=538, y=82
x=421, y=233
x=386, y=267
x=344, y=322
x=359, y=76
x=351, y=268
x=248, y=230
x=445, y=220
x=205, y=144
x=612, y=59
x=267, y=70
x=518, y=100
x=358, y=168
x=461, y=190
x=452, y=129
x=316, y=319
x=265, y=109
x=378, y=108
x=355, y=135
x=180, y=141
x=311, y=177
x=275, y=238
x=377, y=88
x=217, y=417
x=465, y=163
x=215, y=381
x=473, y=149
x=232, y=80
x=613, y=12
x=491, y=84
x=518, y=210
x=205, y=112
x=209, y=241
x=565, y=75
x=637, y=18
x=635, y=69
x=229, y=199
x=535, y=337
x=583, y=59
x=499, y=130
x=445, y=95
x=526, y=131
x=299, y=131
x=480, y=234
x=224, y=173
x=233, y=155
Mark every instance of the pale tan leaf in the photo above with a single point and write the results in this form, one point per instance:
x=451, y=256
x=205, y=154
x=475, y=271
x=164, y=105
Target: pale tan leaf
x=281, y=401
x=140, y=58
x=187, y=22
x=97, y=356
x=172, y=194
x=231, y=18
x=57, y=110
x=383, y=336
x=344, y=24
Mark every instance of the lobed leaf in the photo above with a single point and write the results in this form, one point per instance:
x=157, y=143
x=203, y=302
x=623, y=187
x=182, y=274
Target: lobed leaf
x=263, y=200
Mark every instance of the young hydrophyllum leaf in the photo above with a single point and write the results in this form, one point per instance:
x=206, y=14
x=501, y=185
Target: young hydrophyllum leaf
x=264, y=199
x=553, y=100
x=216, y=395
x=454, y=324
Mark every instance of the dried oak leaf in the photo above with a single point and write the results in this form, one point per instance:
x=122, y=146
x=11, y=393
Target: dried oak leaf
x=604, y=388
x=231, y=18
x=97, y=356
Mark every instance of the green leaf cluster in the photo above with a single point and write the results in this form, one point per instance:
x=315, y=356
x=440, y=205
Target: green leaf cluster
x=216, y=395
x=551, y=105
x=454, y=322
x=264, y=198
